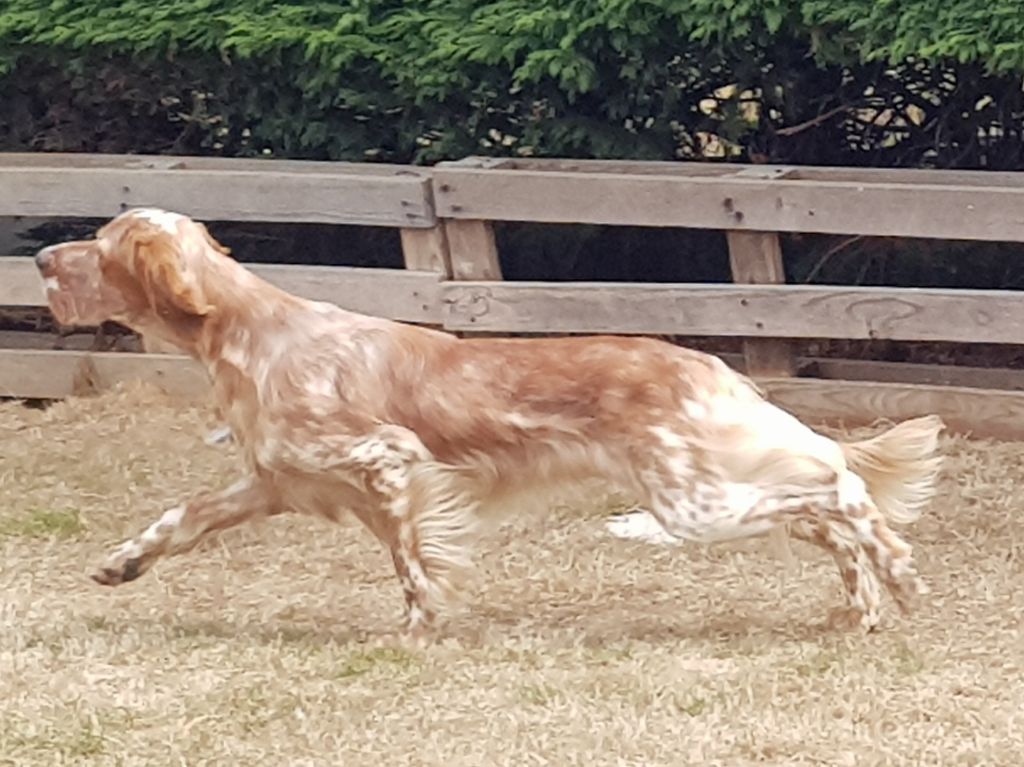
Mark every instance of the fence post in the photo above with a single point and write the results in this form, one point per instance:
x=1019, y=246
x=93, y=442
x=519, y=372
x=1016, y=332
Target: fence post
x=756, y=258
x=426, y=250
x=473, y=249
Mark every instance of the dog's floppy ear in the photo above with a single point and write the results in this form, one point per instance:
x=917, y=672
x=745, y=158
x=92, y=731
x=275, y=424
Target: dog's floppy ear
x=159, y=265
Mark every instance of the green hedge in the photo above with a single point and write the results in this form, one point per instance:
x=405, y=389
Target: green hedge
x=535, y=39
x=420, y=80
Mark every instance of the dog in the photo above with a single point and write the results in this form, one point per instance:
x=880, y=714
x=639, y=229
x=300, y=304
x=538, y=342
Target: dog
x=423, y=436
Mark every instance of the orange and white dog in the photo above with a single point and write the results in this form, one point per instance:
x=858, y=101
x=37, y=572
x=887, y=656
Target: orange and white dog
x=420, y=434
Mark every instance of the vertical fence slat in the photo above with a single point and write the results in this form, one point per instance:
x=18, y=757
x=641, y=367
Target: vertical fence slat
x=756, y=258
x=426, y=250
x=473, y=250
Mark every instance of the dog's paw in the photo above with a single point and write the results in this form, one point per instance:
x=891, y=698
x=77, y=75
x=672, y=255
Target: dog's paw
x=125, y=563
x=639, y=525
x=908, y=591
x=115, y=575
x=847, y=619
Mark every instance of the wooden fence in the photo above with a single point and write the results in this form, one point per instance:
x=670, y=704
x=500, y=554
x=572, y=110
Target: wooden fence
x=453, y=274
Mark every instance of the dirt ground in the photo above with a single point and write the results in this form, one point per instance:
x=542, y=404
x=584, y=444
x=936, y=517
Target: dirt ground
x=274, y=645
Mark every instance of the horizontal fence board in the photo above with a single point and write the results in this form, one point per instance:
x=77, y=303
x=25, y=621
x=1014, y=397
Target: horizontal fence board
x=399, y=294
x=631, y=167
x=905, y=176
x=219, y=194
x=928, y=210
x=980, y=412
x=780, y=311
x=58, y=374
x=20, y=283
x=36, y=374
x=913, y=373
x=916, y=373
x=83, y=340
x=789, y=311
x=62, y=160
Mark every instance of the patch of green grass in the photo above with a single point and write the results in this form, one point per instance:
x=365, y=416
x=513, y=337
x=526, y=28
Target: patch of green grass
x=820, y=663
x=73, y=744
x=692, y=707
x=537, y=694
x=741, y=646
x=50, y=641
x=907, y=660
x=365, y=661
x=202, y=631
x=252, y=707
x=522, y=657
x=43, y=523
x=608, y=656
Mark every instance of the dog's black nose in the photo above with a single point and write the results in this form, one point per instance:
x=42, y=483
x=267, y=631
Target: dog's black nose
x=43, y=259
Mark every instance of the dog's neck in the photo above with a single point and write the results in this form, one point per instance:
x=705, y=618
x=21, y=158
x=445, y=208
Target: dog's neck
x=236, y=320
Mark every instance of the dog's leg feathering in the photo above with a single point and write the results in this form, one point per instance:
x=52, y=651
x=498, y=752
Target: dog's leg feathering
x=432, y=526
x=418, y=509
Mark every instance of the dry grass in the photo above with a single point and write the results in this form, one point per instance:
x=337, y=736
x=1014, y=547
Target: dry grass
x=273, y=645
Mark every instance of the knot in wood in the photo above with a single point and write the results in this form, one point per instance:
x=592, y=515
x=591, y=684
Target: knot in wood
x=470, y=302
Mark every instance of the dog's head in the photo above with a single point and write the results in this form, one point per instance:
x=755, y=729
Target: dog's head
x=145, y=267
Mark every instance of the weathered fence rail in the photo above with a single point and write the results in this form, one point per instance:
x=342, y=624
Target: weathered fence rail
x=453, y=275
x=231, y=190
x=790, y=311
x=757, y=198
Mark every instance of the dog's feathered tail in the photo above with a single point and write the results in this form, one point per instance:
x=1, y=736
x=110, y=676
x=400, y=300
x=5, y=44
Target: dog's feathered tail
x=900, y=467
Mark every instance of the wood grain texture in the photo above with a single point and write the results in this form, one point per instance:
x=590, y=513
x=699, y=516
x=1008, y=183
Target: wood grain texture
x=916, y=373
x=31, y=339
x=35, y=374
x=929, y=210
x=781, y=311
x=756, y=258
x=66, y=160
x=902, y=176
x=218, y=194
x=981, y=412
x=426, y=250
x=20, y=283
x=473, y=250
x=964, y=376
x=399, y=294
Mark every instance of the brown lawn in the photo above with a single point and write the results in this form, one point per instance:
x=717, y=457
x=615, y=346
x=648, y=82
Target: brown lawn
x=274, y=645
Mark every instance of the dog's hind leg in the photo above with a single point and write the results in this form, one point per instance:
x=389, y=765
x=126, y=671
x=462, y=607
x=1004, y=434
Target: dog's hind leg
x=891, y=557
x=850, y=526
x=859, y=582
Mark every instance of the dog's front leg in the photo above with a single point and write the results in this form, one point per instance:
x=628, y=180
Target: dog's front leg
x=183, y=527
